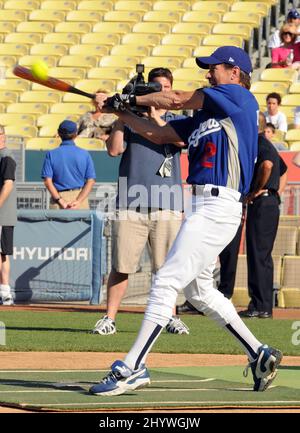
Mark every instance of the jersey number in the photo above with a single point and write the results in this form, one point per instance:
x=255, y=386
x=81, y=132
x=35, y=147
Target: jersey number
x=210, y=150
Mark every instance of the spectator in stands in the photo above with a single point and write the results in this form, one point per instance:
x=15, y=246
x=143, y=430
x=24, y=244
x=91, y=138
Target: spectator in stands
x=141, y=215
x=293, y=18
x=95, y=124
x=68, y=171
x=8, y=217
x=270, y=134
x=288, y=54
x=273, y=115
x=297, y=118
x=269, y=180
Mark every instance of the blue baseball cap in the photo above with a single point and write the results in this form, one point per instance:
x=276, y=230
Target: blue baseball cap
x=230, y=55
x=293, y=14
x=67, y=127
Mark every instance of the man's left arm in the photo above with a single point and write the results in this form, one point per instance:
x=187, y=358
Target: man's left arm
x=173, y=100
x=282, y=183
x=283, y=175
x=170, y=100
x=150, y=130
x=6, y=189
x=9, y=174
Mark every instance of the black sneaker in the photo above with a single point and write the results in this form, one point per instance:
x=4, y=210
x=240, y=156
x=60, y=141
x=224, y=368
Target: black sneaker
x=187, y=308
x=249, y=313
x=265, y=315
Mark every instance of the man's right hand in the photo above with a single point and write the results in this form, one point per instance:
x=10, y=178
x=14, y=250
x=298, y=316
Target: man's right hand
x=63, y=204
x=252, y=195
x=100, y=99
x=117, y=102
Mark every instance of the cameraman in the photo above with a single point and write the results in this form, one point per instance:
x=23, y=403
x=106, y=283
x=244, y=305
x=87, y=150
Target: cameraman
x=143, y=216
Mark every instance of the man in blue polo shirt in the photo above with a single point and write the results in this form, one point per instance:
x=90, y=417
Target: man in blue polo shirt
x=222, y=145
x=68, y=171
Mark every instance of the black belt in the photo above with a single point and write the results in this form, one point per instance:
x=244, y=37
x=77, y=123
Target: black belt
x=74, y=189
x=214, y=192
x=268, y=193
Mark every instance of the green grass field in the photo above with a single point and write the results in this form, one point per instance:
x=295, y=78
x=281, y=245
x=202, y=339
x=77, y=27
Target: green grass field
x=172, y=387
x=68, y=331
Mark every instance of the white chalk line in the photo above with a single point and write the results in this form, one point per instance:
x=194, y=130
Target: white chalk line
x=202, y=402
x=61, y=384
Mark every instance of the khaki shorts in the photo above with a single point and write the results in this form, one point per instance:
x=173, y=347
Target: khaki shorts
x=132, y=230
x=69, y=196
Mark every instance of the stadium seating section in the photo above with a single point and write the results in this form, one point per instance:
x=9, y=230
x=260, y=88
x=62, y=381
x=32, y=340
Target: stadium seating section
x=95, y=44
x=84, y=41
x=286, y=259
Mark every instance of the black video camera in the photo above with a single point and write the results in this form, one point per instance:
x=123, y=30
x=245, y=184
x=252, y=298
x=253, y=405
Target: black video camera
x=137, y=87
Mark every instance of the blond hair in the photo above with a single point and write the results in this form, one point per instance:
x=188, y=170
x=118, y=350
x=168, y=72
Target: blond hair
x=101, y=90
x=291, y=28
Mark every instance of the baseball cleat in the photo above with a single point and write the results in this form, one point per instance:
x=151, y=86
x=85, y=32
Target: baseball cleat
x=176, y=326
x=7, y=300
x=121, y=379
x=105, y=326
x=264, y=368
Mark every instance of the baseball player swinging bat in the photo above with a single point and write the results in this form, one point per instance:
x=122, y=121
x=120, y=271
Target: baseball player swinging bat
x=51, y=82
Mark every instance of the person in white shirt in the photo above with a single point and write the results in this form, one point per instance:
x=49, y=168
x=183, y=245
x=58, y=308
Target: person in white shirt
x=273, y=115
x=297, y=118
x=293, y=17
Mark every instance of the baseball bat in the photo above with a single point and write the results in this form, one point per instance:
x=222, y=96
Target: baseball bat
x=51, y=82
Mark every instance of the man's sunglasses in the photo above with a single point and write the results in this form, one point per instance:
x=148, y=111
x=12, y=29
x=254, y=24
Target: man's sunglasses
x=287, y=33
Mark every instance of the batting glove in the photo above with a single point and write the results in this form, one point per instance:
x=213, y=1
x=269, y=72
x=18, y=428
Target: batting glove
x=120, y=102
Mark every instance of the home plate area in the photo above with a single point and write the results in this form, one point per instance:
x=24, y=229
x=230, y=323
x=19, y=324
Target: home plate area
x=178, y=387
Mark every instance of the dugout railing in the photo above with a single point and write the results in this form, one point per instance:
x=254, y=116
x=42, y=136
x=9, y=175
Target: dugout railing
x=34, y=195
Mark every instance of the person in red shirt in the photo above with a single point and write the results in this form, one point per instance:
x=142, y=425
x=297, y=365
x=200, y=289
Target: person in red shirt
x=288, y=54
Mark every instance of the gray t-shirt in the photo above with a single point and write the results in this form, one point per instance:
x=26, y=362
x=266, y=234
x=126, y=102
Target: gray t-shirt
x=8, y=212
x=140, y=185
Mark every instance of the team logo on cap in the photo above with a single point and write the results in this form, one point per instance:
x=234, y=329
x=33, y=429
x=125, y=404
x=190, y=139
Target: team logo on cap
x=231, y=59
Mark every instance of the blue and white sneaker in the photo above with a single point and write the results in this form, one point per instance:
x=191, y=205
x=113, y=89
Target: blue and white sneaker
x=121, y=379
x=264, y=368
